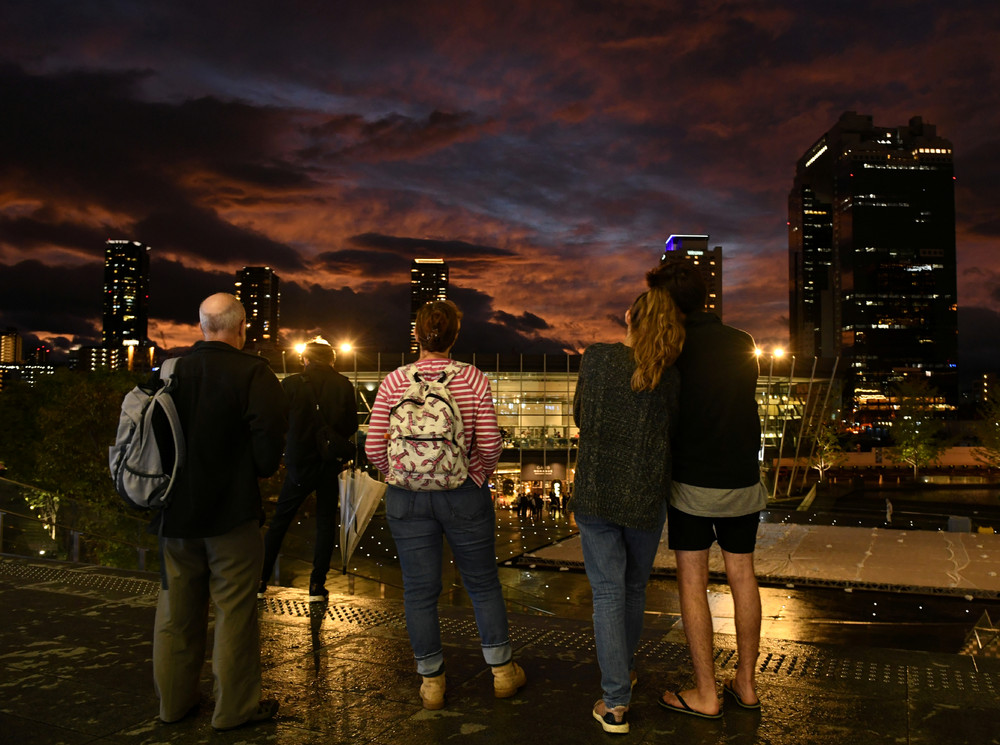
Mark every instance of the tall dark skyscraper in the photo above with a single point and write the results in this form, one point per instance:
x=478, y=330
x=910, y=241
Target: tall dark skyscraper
x=871, y=241
x=428, y=281
x=694, y=249
x=126, y=294
x=257, y=289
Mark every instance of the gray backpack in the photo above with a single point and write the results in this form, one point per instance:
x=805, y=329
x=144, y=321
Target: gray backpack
x=143, y=467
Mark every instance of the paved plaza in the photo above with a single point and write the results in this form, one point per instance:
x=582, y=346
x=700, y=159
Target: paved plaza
x=75, y=668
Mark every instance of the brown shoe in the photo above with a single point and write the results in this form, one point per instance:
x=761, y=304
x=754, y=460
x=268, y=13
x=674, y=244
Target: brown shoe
x=432, y=692
x=507, y=679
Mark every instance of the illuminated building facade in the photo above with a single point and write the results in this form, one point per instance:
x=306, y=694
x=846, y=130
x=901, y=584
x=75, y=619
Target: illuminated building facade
x=10, y=346
x=533, y=395
x=126, y=294
x=29, y=373
x=872, y=271
x=428, y=281
x=694, y=248
x=257, y=287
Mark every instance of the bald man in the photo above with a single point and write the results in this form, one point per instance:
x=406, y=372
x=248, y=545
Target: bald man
x=232, y=412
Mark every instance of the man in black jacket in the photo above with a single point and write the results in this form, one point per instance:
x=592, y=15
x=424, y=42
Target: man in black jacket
x=717, y=495
x=232, y=413
x=319, y=398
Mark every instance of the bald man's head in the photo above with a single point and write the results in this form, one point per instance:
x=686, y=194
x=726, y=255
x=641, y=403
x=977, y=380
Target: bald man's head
x=223, y=319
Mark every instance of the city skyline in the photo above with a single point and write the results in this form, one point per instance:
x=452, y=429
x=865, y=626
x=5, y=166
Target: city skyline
x=545, y=154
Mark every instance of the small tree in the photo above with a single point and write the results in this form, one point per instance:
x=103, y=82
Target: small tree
x=916, y=431
x=828, y=452
x=988, y=451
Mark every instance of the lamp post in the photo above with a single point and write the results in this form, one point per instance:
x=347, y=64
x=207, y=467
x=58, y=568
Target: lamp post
x=784, y=423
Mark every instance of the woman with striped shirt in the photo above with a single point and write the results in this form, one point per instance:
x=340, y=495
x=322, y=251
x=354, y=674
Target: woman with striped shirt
x=420, y=520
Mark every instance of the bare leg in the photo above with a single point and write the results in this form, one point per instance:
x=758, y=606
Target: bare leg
x=746, y=604
x=692, y=584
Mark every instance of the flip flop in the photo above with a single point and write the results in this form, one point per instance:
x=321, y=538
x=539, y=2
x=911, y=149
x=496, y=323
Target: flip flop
x=685, y=709
x=731, y=690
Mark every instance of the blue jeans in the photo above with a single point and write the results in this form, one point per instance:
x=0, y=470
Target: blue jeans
x=618, y=561
x=419, y=521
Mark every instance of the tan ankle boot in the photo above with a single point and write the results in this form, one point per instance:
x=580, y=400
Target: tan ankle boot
x=432, y=692
x=507, y=679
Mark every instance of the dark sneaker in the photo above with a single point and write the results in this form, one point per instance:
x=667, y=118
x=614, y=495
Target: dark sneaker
x=318, y=594
x=266, y=710
x=613, y=720
x=262, y=591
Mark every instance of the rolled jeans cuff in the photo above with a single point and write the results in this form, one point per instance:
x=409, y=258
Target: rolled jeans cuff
x=431, y=664
x=499, y=654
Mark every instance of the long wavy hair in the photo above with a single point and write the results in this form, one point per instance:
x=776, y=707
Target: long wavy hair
x=656, y=335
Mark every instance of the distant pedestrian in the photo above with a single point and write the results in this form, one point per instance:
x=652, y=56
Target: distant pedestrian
x=625, y=404
x=717, y=494
x=321, y=401
x=420, y=520
x=232, y=413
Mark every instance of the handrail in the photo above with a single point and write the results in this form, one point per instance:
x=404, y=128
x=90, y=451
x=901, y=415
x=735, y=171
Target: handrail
x=75, y=536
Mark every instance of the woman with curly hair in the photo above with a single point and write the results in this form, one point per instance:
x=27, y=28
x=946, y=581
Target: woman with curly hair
x=626, y=401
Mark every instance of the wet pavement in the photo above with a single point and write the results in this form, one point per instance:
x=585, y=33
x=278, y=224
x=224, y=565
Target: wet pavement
x=836, y=667
x=74, y=668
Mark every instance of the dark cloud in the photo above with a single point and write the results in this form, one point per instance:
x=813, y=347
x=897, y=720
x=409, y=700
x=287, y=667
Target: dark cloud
x=29, y=233
x=370, y=263
x=64, y=300
x=525, y=323
x=199, y=232
x=176, y=290
x=87, y=137
x=482, y=334
x=427, y=247
x=392, y=137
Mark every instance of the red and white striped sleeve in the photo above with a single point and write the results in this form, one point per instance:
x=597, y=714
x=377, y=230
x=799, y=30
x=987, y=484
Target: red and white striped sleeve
x=376, y=446
x=487, y=444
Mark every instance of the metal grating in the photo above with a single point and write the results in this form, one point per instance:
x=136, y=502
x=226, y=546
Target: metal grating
x=360, y=615
x=822, y=666
x=947, y=679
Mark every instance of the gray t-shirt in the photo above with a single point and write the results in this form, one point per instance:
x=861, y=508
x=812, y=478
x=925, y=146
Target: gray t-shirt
x=708, y=502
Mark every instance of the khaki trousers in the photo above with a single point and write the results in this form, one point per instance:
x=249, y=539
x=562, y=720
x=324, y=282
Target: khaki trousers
x=225, y=569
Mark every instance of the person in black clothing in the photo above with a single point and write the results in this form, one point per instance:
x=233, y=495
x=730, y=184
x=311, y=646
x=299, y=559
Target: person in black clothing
x=232, y=413
x=716, y=496
x=317, y=397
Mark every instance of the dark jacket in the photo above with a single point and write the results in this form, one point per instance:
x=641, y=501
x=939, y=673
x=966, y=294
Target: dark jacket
x=319, y=384
x=717, y=438
x=623, y=471
x=233, y=415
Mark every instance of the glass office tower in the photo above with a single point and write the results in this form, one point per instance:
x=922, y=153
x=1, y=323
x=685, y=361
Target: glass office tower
x=872, y=269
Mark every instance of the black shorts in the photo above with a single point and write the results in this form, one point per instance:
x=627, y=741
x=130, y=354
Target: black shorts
x=736, y=535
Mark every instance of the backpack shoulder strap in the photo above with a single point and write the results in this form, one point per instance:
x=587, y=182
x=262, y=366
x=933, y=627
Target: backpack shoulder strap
x=166, y=404
x=450, y=371
x=167, y=374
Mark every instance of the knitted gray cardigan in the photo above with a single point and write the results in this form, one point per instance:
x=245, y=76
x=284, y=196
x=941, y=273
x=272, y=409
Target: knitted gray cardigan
x=623, y=471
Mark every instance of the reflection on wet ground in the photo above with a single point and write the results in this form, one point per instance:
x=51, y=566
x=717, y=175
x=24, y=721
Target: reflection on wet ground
x=808, y=615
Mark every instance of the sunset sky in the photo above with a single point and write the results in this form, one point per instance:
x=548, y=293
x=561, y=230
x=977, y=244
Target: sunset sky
x=545, y=149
